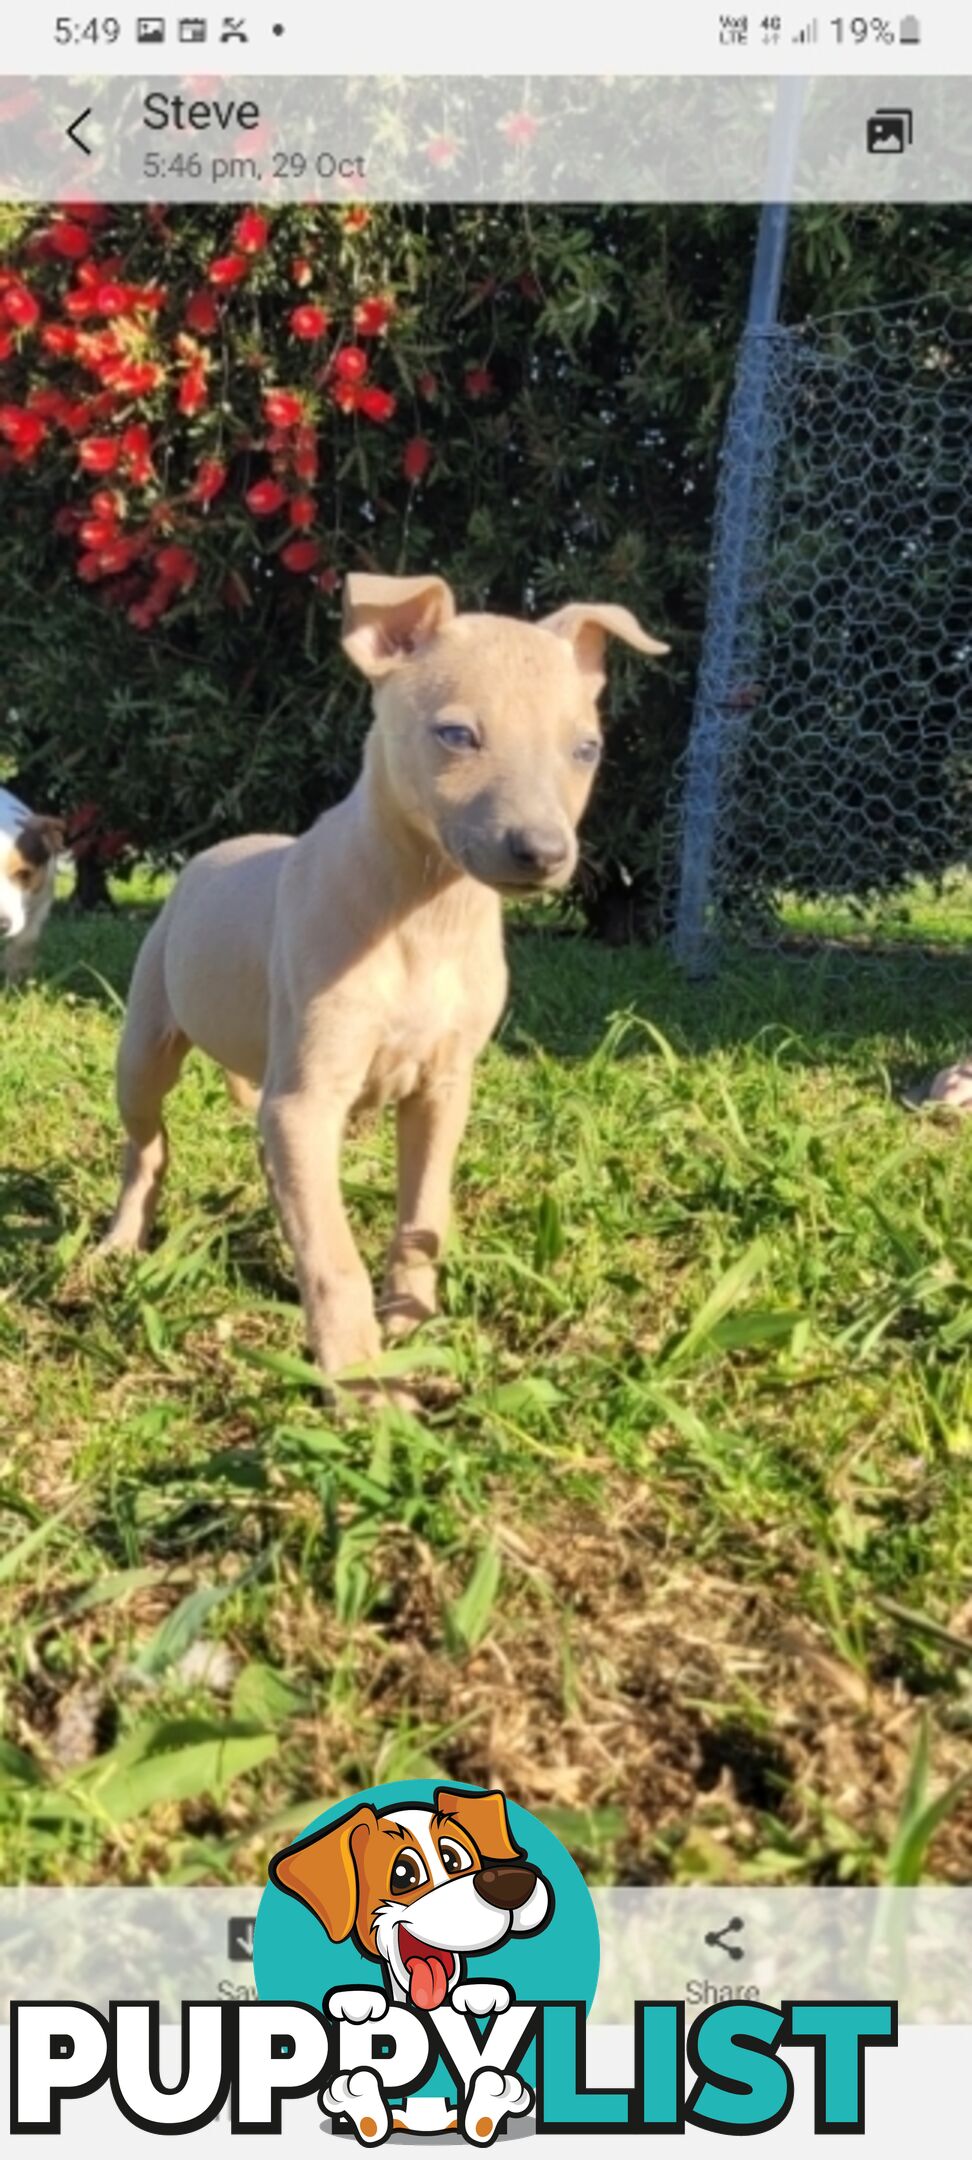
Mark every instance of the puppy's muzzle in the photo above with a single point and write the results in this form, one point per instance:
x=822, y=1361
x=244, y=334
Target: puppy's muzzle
x=538, y=851
x=505, y=1887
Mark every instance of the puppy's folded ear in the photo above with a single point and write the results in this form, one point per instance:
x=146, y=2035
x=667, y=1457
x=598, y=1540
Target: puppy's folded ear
x=587, y=625
x=39, y=840
x=386, y=619
x=484, y=1818
x=321, y=1871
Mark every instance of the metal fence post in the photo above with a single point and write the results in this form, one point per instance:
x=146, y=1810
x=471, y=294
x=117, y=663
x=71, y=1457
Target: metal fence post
x=707, y=747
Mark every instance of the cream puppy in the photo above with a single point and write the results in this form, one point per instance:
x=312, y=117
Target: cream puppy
x=363, y=964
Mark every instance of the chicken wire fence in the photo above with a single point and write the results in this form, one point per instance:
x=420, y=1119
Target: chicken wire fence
x=825, y=798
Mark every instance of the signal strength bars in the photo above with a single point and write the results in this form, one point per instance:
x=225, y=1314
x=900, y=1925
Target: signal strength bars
x=809, y=35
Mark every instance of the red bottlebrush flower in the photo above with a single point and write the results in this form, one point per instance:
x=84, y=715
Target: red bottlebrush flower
x=479, y=382
x=178, y=566
x=442, y=150
x=373, y=316
x=108, y=503
x=97, y=533
x=89, y=568
x=210, y=480
x=283, y=408
x=114, y=299
x=519, y=128
x=310, y=322
x=119, y=555
x=228, y=269
x=193, y=394
x=79, y=304
x=202, y=313
x=428, y=386
x=417, y=458
x=351, y=364
x=357, y=217
x=306, y=457
x=302, y=271
x=21, y=308
x=302, y=511
x=133, y=378
x=251, y=232
x=59, y=339
x=24, y=431
x=6, y=344
x=265, y=498
x=50, y=404
x=65, y=522
x=329, y=580
x=99, y=453
x=301, y=555
x=69, y=240
x=136, y=446
x=376, y=404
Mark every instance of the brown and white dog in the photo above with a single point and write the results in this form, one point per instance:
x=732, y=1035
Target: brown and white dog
x=29, y=848
x=420, y=1889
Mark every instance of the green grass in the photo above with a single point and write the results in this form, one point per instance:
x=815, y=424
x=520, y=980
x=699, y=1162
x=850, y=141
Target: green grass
x=679, y=1549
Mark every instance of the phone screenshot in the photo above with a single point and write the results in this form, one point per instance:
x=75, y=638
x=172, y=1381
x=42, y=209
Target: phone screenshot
x=485, y=1063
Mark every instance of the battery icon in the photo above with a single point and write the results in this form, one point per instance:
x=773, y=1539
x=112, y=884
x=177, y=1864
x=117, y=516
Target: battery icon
x=910, y=30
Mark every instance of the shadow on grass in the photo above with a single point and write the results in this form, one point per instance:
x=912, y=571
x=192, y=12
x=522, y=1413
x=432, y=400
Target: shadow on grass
x=832, y=1007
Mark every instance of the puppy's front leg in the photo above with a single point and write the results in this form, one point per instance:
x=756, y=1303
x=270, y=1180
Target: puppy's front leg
x=430, y=1127
x=302, y=1151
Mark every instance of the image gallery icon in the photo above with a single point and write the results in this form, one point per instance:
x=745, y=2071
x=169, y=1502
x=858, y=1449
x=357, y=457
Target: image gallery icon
x=890, y=131
x=150, y=30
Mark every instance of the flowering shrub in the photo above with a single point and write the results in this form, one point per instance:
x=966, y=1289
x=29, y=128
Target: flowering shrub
x=208, y=417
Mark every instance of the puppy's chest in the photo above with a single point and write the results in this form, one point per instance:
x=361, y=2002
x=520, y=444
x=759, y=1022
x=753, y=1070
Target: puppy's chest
x=428, y=1025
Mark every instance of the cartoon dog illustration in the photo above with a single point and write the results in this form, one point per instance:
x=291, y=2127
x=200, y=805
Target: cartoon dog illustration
x=421, y=1889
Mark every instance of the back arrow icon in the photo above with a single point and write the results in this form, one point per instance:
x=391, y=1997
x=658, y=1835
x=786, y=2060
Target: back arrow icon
x=72, y=131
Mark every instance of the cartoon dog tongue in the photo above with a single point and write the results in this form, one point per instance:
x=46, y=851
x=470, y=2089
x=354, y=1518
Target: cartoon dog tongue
x=429, y=1972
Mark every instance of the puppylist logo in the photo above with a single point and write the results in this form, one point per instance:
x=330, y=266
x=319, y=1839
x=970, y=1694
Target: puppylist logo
x=426, y=1958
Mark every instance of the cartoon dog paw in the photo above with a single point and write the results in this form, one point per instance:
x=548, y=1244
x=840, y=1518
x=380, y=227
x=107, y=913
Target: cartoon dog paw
x=355, y=2005
x=358, y=2095
x=492, y=2096
x=481, y=1998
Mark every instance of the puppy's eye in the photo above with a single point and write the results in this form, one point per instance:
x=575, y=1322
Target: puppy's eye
x=407, y=1872
x=454, y=1860
x=588, y=752
x=453, y=736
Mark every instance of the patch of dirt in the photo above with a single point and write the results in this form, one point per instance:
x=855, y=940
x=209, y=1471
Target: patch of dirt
x=650, y=1687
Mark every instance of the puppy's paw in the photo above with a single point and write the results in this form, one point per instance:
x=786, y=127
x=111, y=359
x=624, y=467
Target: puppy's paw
x=492, y=2096
x=481, y=1998
x=355, y=2005
x=358, y=2095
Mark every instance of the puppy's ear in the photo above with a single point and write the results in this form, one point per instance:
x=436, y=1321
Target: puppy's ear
x=386, y=619
x=484, y=1818
x=587, y=624
x=321, y=1871
x=39, y=839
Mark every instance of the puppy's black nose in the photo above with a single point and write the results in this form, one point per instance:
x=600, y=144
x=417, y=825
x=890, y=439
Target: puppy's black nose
x=506, y=1886
x=539, y=848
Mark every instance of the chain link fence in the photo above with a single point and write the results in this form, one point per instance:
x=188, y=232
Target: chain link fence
x=825, y=799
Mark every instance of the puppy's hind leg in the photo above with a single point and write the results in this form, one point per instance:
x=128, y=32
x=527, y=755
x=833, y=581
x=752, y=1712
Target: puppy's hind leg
x=150, y=1058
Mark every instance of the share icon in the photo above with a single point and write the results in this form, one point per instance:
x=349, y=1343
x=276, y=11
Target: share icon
x=717, y=1941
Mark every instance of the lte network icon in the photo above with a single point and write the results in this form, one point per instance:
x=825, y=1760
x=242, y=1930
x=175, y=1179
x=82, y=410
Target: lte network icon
x=891, y=131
